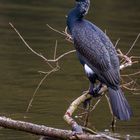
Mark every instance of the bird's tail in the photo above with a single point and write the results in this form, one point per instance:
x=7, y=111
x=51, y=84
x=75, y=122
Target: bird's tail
x=119, y=104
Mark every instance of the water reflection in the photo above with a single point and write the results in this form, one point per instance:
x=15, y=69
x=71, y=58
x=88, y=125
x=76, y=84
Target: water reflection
x=19, y=66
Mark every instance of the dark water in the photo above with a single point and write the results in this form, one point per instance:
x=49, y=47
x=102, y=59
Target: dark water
x=19, y=67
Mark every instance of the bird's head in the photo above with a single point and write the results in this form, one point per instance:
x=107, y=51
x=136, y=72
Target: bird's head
x=77, y=13
x=83, y=5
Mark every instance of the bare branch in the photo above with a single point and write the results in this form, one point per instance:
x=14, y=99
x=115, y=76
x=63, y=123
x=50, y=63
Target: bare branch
x=126, y=58
x=128, y=83
x=133, y=44
x=27, y=45
x=56, y=30
x=135, y=57
x=132, y=74
x=55, y=50
x=136, y=93
x=55, y=60
x=117, y=43
x=40, y=83
x=131, y=89
x=109, y=105
x=48, y=131
x=61, y=56
x=94, y=107
x=64, y=33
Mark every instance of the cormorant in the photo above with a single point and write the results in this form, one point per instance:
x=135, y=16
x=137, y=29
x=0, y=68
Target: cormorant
x=98, y=57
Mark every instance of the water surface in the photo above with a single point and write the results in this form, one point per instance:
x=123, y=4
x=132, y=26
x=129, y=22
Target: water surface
x=19, y=67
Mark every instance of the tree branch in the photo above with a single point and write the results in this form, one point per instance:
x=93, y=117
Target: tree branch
x=46, y=131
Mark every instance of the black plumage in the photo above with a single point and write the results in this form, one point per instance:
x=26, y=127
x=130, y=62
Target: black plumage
x=98, y=56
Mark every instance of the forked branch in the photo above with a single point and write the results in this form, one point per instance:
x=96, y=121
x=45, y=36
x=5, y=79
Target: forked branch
x=48, y=61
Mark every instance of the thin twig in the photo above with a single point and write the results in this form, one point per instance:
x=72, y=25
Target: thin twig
x=54, y=69
x=27, y=45
x=128, y=83
x=61, y=56
x=136, y=93
x=40, y=83
x=56, y=30
x=133, y=44
x=136, y=84
x=55, y=50
x=109, y=105
x=98, y=101
x=117, y=43
x=64, y=33
x=131, y=89
x=135, y=57
x=132, y=74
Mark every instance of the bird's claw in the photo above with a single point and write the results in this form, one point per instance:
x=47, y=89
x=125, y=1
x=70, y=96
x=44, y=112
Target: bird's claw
x=95, y=92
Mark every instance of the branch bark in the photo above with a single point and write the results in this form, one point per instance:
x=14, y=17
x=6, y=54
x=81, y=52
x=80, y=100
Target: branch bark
x=46, y=131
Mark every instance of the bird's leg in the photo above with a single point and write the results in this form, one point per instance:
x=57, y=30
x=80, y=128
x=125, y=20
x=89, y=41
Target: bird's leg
x=86, y=103
x=94, y=91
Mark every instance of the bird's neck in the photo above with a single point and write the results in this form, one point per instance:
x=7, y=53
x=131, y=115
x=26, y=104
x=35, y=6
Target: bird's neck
x=77, y=13
x=73, y=17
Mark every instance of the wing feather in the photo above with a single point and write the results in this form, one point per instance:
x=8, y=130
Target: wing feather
x=93, y=51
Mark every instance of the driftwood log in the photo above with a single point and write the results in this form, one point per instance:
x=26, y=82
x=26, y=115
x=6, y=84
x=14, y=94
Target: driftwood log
x=50, y=133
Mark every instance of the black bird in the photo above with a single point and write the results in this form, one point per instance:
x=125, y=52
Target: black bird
x=98, y=57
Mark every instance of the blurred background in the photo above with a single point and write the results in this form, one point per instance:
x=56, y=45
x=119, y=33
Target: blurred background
x=19, y=67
